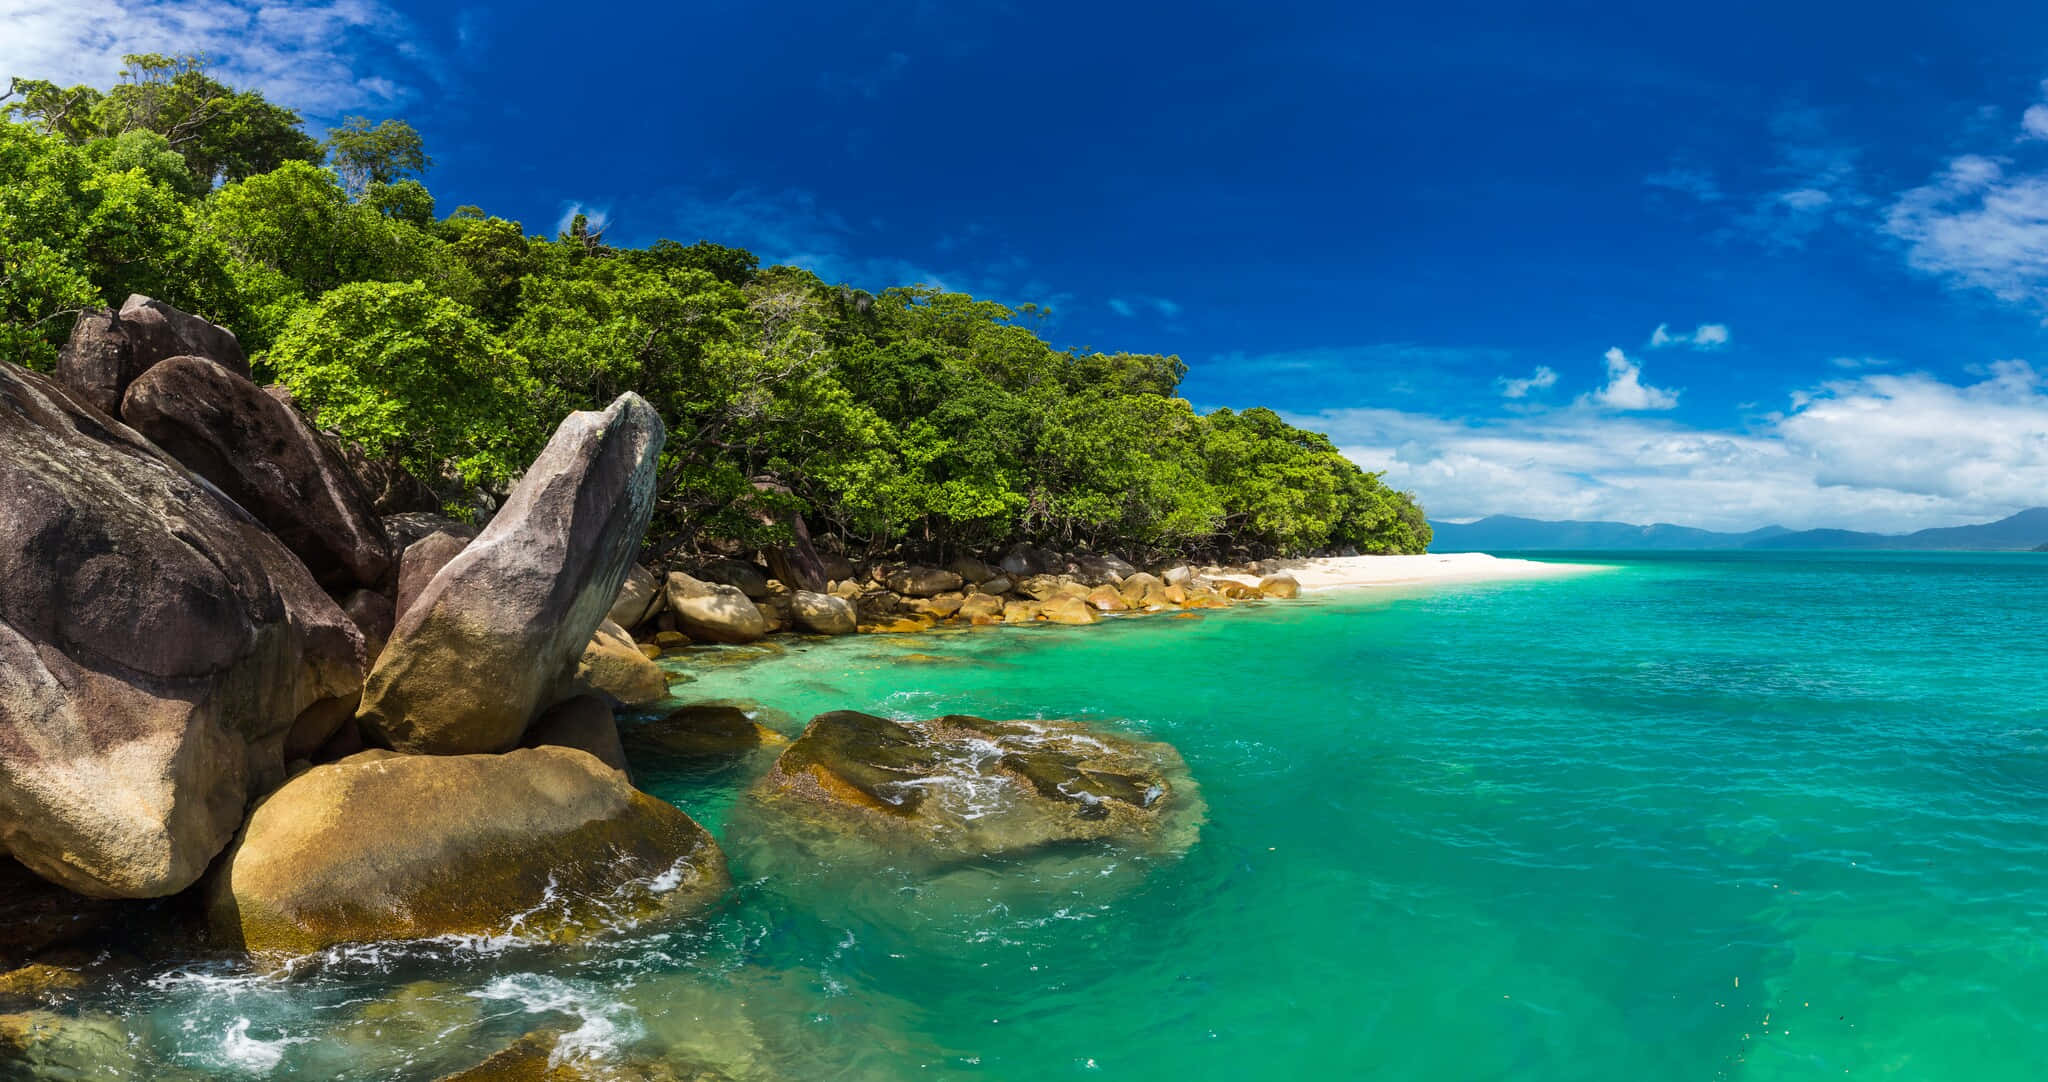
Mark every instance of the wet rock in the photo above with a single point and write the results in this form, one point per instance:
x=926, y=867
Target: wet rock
x=614, y=667
x=703, y=732
x=584, y=723
x=823, y=614
x=474, y=657
x=39, y=983
x=713, y=612
x=639, y=599
x=1020, y=612
x=543, y=843
x=1281, y=585
x=268, y=459
x=421, y=561
x=923, y=581
x=1235, y=590
x=958, y=788
x=47, y=1045
x=156, y=646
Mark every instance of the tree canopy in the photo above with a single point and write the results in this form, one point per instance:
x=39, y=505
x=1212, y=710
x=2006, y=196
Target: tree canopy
x=449, y=345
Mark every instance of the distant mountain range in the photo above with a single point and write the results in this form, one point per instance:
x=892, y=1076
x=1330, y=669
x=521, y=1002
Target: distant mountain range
x=2027, y=530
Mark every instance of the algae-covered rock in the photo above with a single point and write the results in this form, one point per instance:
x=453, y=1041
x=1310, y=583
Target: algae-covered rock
x=698, y=734
x=962, y=787
x=540, y=843
x=44, y=1045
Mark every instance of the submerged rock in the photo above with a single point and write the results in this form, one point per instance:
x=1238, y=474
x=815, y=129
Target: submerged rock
x=703, y=732
x=268, y=459
x=156, y=646
x=475, y=657
x=540, y=843
x=958, y=787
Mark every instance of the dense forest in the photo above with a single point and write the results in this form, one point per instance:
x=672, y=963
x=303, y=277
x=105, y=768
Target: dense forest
x=450, y=344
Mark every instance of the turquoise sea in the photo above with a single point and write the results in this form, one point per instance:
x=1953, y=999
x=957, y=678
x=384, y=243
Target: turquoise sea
x=1693, y=817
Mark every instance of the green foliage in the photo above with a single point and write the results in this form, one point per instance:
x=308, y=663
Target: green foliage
x=413, y=377
x=450, y=347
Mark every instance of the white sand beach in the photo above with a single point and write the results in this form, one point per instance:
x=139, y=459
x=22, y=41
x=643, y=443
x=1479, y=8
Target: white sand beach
x=1340, y=572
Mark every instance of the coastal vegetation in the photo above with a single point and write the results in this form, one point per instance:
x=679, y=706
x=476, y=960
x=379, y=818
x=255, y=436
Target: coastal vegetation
x=447, y=344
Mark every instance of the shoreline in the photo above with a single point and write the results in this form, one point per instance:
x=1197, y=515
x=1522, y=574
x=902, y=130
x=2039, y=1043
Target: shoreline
x=1366, y=572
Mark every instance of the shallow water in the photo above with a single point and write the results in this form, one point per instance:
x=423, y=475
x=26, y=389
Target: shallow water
x=1701, y=816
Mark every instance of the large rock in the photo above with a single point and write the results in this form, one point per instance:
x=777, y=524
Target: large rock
x=697, y=734
x=639, y=599
x=265, y=457
x=473, y=659
x=823, y=614
x=422, y=560
x=750, y=580
x=1280, y=585
x=971, y=571
x=407, y=527
x=584, y=723
x=923, y=581
x=1024, y=561
x=713, y=612
x=960, y=788
x=109, y=350
x=542, y=843
x=1097, y=569
x=612, y=665
x=157, y=645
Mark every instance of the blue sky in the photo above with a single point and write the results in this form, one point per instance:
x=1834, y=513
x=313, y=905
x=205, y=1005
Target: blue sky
x=1719, y=265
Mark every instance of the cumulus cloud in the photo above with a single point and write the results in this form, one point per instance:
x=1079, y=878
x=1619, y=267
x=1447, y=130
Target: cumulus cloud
x=1625, y=389
x=1543, y=378
x=321, y=56
x=2035, y=121
x=1879, y=452
x=1705, y=336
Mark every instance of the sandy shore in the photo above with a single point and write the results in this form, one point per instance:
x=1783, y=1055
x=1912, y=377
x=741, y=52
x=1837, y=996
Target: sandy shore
x=1351, y=571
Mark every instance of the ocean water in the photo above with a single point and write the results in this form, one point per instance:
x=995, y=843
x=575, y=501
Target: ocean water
x=1695, y=816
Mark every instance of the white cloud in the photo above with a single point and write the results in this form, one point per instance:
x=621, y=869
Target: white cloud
x=1625, y=389
x=1543, y=378
x=1121, y=307
x=1979, y=227
x=1705, y=336
x=1877, y=452
x=2035, y=121
x=320, y=56
x=1166, y=307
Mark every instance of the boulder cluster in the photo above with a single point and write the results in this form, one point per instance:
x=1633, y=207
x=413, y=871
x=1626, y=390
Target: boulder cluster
x=729, y=600
x=235, y=658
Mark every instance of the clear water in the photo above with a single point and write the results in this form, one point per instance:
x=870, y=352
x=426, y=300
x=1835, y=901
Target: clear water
x=1697, y=817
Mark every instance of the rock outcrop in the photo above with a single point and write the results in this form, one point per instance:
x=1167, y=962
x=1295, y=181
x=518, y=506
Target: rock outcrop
x=612, y=665
x=109, y=350
x=268, y=459
x=474, y=657
x=959, y=788
x=923, y=581
x=157, y=645
x=540, y=843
